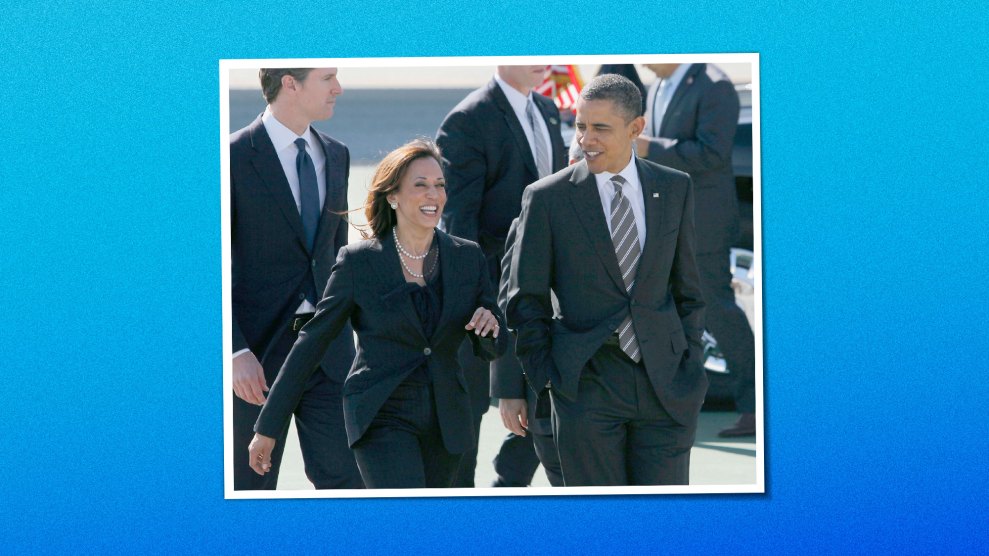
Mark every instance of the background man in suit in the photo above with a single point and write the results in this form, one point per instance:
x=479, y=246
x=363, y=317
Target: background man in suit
x=288, y=185
x=499, y=139
x=691, y=116
x=613, y=237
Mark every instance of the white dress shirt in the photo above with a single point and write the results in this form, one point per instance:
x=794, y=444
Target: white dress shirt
x=518, y=101
x=283, y=139
x=632, y=190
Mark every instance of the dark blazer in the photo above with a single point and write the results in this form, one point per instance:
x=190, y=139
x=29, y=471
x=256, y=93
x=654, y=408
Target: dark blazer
x=367, y=288
x=487, y=162
x=696, y=136
x=507, y=376
x=271, y=264
x=563, y=243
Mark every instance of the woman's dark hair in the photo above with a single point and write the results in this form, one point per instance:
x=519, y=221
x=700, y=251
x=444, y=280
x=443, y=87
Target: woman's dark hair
x=380, y=216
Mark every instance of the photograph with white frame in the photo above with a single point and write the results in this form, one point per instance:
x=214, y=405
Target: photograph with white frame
x=387, y=102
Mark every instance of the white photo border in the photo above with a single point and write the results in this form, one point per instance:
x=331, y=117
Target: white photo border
x=225, y=66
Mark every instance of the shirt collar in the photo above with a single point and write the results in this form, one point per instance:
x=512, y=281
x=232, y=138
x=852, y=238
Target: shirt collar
x=515, y=98
x=281, y=136
x=629, y=172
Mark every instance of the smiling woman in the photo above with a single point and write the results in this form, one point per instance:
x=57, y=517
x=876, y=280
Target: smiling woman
x=412, y=293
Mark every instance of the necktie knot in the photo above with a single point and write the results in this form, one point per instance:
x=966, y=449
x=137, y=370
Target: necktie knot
x=301, y=143
x=617, y=181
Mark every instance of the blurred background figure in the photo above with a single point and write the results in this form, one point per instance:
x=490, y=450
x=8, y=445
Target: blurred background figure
x=691, y=117
x=499, y=139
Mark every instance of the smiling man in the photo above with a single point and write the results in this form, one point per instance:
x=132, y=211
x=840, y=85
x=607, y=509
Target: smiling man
x=613, y=237
x=288, y=187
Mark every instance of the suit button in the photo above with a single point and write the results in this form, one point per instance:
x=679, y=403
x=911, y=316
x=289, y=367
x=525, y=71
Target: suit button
x=302, y=296
x=314, y=263
x=427, y=351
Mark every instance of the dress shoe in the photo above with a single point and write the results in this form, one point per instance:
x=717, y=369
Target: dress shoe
x=500, y=482
x=745, y=426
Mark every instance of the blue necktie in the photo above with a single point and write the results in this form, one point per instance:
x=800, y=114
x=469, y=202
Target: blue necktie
x=308, y=192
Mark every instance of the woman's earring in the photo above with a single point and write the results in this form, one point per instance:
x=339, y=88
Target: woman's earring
x=394, y=206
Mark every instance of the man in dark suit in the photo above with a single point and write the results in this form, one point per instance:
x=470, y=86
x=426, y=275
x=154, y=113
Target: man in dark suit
x=691, y=116
x=613, y=237
x=288, y=188
x=524, y=410
x=495, y=142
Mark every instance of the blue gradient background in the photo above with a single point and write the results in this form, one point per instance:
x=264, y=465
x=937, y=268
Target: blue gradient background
x=875, y=235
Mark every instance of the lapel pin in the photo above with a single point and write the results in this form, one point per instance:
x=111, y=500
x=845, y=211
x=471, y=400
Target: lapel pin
x=554, y=121
x=655, y=195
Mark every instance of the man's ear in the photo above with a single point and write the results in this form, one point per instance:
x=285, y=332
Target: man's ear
x=638, y=124
x=288, y=82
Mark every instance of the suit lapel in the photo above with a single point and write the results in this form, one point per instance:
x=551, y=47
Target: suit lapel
x=449, y=264
x=334, y=171
x=654, y=220
x=501, y=101
x=390, y=271
x=587, y=204
x=682, y=90
x=269, y=167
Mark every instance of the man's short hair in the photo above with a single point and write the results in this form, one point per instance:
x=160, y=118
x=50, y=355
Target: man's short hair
x=271, y=80
x=619, y=90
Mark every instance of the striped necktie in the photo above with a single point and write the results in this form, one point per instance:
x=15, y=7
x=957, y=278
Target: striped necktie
x=625, y=237
x=539, y=146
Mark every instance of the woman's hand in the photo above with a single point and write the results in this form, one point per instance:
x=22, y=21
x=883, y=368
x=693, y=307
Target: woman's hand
x=260, y=458
x=483, y=322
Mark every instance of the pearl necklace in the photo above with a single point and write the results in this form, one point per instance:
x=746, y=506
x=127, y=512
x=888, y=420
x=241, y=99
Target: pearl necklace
x=401, y=251
x=401, y=248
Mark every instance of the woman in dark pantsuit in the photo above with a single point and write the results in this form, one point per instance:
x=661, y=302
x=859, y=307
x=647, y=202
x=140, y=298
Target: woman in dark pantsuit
x=412, y=293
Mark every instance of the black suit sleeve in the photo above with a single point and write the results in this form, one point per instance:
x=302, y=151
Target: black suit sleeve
x=530, y=308
x=343, y=227
x=488, y=347
x=239, y=342
x=464, y=167
x=332, y=313
x=711, y=145
x=507, y=379
x=684, y=278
